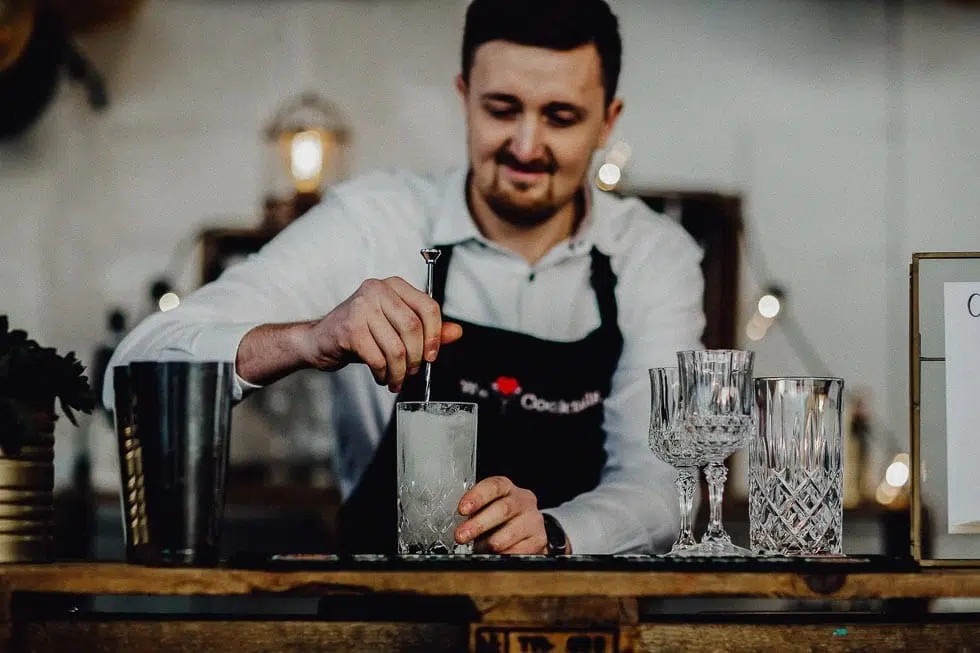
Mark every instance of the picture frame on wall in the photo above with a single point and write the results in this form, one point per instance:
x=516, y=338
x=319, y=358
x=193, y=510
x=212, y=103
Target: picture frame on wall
x=944, y=365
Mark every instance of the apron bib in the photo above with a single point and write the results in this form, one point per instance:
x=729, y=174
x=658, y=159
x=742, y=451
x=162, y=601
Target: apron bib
x=539, y=417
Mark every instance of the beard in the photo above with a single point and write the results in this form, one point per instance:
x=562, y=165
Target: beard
x=521, y=214
x=513, y=210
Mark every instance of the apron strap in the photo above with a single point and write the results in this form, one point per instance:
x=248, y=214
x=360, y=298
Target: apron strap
x=440, y=273
x=604, y=285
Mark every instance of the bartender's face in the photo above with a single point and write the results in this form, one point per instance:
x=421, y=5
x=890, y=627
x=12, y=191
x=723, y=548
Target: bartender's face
x=535, y=117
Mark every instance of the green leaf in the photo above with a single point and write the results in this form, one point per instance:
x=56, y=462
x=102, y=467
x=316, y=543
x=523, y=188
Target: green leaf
x=32, y=375
x=67, y=411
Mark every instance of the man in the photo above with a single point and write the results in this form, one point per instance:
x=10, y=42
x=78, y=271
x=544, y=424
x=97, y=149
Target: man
x=550, y=303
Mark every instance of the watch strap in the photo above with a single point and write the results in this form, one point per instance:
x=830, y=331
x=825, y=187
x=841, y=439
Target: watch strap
x=557, y=540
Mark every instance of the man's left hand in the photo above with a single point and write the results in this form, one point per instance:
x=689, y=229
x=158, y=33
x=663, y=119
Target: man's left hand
x=508, y=513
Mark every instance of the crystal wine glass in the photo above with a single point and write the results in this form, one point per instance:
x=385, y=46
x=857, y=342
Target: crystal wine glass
x=673, y=446
x=716, y=387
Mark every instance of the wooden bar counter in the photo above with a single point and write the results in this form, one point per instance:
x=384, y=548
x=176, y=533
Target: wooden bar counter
x=540, y=606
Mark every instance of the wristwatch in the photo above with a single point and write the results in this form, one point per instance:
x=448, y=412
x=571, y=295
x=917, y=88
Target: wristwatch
x=557, y=540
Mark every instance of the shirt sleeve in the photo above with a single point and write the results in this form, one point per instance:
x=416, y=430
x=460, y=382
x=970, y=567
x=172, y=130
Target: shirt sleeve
x=303, y=273
x=634, y=509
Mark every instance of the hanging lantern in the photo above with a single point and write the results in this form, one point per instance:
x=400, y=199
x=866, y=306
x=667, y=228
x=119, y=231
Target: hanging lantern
x=93, y=16
x=16, y=26
x=306, y=143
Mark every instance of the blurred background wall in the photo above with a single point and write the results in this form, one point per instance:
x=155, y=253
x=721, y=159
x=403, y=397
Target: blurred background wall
x=847, y=127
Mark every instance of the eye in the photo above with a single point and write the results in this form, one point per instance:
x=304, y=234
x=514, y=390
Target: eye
x=563, y=118
x=502, y=111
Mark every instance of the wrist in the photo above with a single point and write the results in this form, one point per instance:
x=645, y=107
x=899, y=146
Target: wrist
x=300, y=341
x=272, y=351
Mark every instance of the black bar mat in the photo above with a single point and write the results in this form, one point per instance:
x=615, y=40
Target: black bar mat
x=762, y=564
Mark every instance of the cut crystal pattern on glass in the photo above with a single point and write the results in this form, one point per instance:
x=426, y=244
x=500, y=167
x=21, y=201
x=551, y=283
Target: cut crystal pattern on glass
x=673, y=445
x=795, y=512
x=436, y=466
x=796, y=468
x=427, y=517
x=716, y=389
x=715, y=437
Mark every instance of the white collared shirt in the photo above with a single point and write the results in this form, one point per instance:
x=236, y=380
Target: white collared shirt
x=374, y=227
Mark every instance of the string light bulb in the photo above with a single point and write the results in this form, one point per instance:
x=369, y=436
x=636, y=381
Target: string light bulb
x=769, y=306
x=897, y=474
x=168, y=302
x=609, y=176
x=767, y=309
x=610, y=173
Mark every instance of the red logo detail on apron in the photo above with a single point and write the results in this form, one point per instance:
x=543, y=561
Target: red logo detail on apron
x=506, y=386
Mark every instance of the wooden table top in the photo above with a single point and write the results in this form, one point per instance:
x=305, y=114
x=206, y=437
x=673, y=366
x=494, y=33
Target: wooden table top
x=119, y=578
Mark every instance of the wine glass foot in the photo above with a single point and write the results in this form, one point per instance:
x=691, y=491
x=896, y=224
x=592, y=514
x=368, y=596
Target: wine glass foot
x=684, y=547
x=723, y=547
x=690, y=551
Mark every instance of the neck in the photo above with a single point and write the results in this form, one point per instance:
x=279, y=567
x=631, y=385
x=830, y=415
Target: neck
x=531, y=242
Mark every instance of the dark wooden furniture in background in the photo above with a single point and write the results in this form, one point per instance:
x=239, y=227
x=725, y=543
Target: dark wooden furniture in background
x=715, y=222
x=221, y=246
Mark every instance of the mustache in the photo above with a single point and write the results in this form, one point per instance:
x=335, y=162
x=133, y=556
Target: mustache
x=547, y=164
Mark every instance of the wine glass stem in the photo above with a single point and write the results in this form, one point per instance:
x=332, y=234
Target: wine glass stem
x=685, y=480
x=716, y=474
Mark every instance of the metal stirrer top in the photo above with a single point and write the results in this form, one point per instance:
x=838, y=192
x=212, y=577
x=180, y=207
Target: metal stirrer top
x=430, y=255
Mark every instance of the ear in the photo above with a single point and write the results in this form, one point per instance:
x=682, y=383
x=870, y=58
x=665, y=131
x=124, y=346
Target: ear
x=462, y=88
x=613, y=111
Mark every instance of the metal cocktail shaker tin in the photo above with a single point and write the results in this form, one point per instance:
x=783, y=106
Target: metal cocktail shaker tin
x=173, y=421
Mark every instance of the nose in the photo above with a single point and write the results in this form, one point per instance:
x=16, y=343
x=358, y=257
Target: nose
x=527, y=141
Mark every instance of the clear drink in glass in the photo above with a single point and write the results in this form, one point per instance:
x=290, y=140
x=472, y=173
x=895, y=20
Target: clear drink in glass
x=436, y=466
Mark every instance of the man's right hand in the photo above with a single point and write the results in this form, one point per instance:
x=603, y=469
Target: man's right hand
x=389, y=325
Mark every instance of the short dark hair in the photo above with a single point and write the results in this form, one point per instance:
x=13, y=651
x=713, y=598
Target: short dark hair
x=552, y=24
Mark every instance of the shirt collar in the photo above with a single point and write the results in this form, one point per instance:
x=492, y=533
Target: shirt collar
x=454, y=224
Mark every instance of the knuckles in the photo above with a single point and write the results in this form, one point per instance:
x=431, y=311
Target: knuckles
x=529, y=498
x=431, y=309
x=502, y=485
x=398, y=352
x=508, y=509
x=371, y=286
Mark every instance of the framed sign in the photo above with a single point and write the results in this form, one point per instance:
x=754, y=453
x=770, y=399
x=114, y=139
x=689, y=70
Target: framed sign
x=944, y=389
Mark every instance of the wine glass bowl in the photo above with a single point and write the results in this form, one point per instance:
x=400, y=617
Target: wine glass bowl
x=718, y=399
x=673, y=446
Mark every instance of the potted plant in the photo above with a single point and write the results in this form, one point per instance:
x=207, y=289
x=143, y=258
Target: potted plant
x=32, y=378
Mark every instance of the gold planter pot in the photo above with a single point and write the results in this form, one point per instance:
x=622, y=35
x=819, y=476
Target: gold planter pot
x=27, y=497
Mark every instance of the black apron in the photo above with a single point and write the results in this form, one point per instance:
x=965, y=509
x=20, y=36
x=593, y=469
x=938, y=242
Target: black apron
x=539, y=417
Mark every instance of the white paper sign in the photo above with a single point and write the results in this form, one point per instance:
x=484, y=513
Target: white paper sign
x=962, y=309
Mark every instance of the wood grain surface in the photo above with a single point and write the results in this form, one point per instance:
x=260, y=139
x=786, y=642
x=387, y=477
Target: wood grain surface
x=303, y=636
x=240, y=637
x=113, y=578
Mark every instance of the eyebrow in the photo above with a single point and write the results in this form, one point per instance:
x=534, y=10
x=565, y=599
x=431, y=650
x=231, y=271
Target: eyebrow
x=500, y=97
x=550, y=107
